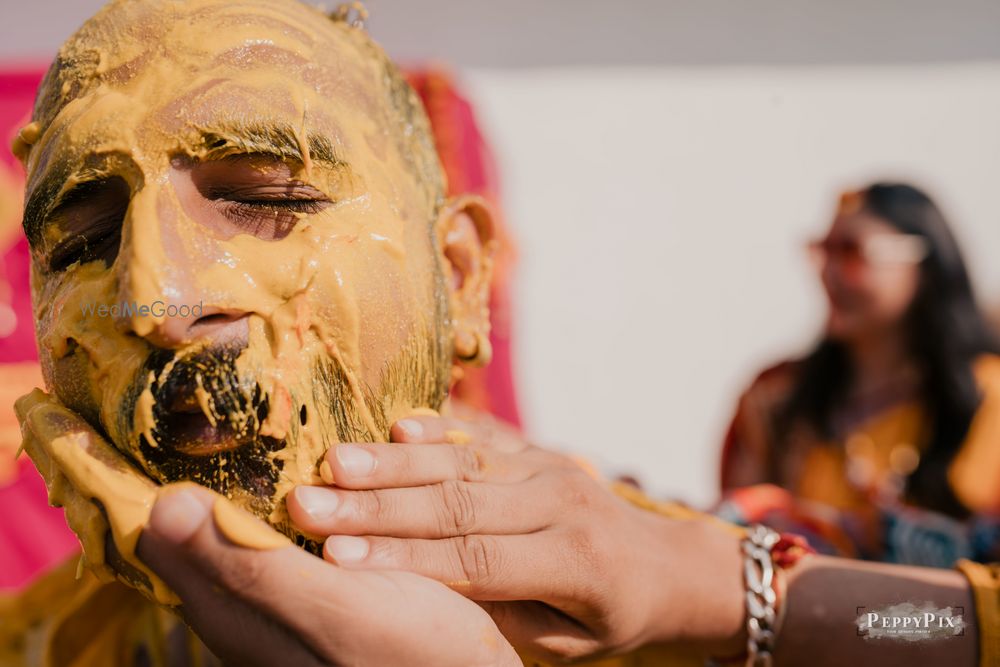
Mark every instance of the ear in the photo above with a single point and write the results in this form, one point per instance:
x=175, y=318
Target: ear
x=465, y=234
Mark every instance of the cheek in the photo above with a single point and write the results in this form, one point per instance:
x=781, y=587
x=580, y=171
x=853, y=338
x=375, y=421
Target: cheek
x=394, y=307
x=86, y=360
x=250, y=275
x=892, y=290
x=68, y=377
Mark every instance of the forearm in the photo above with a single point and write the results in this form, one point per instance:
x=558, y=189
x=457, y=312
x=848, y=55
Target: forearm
x=823, y=596
x=821, y=600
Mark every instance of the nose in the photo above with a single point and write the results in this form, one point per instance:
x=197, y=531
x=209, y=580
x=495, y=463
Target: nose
x=173, y=311
x=161, y=283
x=181, y=325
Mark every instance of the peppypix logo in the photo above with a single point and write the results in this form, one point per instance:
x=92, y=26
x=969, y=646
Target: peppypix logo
x=132, y=309
x=910, y=622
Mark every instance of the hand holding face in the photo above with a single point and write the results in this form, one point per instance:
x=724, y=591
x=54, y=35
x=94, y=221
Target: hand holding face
x=566, y=568
x=286, y=607
x=107, y=500
x=251, y=606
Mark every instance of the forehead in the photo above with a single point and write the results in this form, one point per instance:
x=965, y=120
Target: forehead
x=176, y=67
x=203, y=33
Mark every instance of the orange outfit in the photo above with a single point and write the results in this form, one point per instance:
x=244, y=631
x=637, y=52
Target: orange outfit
x=850, y=491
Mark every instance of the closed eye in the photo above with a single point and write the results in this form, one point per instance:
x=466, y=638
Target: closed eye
x=269, y=217
x=258, y=194
x=88, y=224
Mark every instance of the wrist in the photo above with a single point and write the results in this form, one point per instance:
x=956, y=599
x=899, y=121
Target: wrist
x=701, y=600
x=766, y=556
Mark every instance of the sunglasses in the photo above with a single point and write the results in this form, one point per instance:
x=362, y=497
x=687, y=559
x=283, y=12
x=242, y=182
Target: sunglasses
x=873, y=250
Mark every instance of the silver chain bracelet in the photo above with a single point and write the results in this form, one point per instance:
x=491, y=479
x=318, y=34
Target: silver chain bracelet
x=758, y=575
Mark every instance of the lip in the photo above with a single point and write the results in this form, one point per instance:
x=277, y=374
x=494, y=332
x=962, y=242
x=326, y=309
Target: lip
x=185, y=403
x=185, y=429
x=191, y=433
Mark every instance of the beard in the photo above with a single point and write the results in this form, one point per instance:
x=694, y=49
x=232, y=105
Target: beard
x=208, y=419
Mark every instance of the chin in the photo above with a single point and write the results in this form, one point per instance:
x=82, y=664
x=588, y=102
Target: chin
x=840, y=328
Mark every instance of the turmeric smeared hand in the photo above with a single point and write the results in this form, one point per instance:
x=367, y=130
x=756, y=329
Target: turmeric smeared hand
x=270, y=603
x=104, y=496
x=567, y=568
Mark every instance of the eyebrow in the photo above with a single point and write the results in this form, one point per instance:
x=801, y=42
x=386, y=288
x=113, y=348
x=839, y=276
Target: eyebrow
x=231, y=138
x=277, y=139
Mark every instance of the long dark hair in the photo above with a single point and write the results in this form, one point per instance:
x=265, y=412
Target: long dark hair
x=945, y=332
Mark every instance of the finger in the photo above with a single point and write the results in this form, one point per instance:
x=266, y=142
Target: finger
x=101, y=490
x=485, y=432
x=235, y=633
x=379, y=466
x=481, y=567
x=233, y=630
x=59, y=430
x=182, y=535
x=542, y=630
x=448, y=509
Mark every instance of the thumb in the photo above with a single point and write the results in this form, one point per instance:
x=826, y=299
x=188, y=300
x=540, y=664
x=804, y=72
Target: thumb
x=182, y=545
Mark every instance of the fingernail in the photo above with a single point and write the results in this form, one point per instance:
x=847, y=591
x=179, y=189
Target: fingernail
x=346, y=548
x=411, y=428
x=177, y=516
x=355, y=460
x=318, y=503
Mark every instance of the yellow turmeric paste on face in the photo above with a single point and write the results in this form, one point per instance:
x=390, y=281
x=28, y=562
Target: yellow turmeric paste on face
x=144, y=83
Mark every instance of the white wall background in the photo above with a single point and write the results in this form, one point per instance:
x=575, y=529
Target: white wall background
x=663, y=163
x=661, y=215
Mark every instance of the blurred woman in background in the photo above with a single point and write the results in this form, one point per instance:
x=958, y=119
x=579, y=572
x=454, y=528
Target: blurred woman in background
x=884, y=441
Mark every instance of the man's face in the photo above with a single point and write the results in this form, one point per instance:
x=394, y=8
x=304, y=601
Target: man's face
x=237, y=261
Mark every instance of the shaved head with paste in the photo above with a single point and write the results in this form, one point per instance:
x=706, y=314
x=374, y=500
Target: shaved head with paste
x=242, y=248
